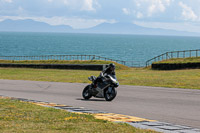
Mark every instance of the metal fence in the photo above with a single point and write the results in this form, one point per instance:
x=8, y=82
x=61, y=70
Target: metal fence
x=174, y=54
x=70, y=58
x=49, y=57
x=165, y=56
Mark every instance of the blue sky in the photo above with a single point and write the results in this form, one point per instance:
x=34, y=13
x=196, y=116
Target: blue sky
x=169, y=14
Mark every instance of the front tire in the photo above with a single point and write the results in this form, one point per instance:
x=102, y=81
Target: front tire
x=109, y=96
x=86, y=92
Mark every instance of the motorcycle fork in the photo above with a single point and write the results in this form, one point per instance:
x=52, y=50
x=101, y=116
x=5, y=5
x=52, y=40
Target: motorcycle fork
x=107, y=86
x=110, y=89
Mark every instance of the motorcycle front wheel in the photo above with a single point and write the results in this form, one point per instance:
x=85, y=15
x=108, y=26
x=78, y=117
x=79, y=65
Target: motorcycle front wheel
x=86, y=93
x=110, y=95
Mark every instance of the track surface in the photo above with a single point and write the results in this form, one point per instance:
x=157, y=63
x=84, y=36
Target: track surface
x=172, y=105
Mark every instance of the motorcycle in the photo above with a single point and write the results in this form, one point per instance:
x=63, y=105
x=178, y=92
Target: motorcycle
x=105, y=89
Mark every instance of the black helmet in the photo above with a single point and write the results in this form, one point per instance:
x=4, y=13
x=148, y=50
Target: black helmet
x=112, y=65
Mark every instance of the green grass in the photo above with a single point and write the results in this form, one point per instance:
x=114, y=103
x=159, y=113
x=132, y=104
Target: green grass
x=17, y=116
x=181, y=60
x=174, y=79
x=118, y=66
x=189, y=78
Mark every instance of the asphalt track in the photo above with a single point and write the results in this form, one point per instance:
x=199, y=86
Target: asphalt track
x=172, y=105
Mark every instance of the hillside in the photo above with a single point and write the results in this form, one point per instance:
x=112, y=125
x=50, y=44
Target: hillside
x=29, y=25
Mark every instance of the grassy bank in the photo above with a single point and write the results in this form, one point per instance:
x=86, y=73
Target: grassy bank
x=118, y=66
x=174, y=79
x=181, y=60
x=16, y=116
x=143, y=77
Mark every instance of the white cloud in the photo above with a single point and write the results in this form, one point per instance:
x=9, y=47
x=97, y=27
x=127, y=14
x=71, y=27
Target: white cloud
x=187, y=12
x=66, y=2
x=8, y=1
x=88, y=13
x=151, y=7
x=168, y=2
x=75, y=22
x=126, y=11
x=50, y=0
x=137, y=3
x=139, y=15
x=20, y=9
x=156, y=6
x=88, y=5
x=82, y=5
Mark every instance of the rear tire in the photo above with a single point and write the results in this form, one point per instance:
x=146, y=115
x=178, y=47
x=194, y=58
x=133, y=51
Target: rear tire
x=110, y=96
x=86, y=92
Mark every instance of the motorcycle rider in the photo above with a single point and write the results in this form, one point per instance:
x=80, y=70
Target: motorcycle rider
x=110, y=70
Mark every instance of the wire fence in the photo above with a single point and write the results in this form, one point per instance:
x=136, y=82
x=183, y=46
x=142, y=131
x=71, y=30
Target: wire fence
x=165, y=56
x=71, y=58
x=174, y=54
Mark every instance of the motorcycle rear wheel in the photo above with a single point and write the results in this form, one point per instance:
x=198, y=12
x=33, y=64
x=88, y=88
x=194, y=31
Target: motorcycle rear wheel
x=110, y=96
x=86, y=93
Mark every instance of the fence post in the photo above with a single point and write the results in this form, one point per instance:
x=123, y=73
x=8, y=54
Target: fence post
x=147, y=63
x=93, y=58
x=166, y=55
x=171, y=54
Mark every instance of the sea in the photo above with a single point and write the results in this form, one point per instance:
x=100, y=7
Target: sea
x=137, y=48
